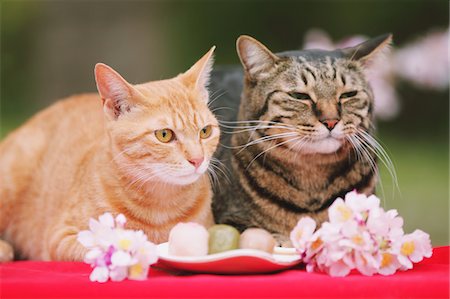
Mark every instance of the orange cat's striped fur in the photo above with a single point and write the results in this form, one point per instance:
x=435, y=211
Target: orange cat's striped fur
x=145, y=154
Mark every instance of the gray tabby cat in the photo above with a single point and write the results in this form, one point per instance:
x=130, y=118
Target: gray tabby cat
x=303, y=135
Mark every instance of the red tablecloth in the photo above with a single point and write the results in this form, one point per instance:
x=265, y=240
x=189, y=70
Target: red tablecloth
x=429, y=279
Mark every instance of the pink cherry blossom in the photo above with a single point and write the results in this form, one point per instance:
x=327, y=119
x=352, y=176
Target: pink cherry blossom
x=114, y=252
x=302, y=233
x=389, y=263
x=360, y=203
x=339, y=212
x=413, y=248
x=353, y=237
x=359, y=235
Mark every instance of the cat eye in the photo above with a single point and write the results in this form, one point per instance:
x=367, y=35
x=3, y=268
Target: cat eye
x=349, y=94
x=206, y=132
x=165, y=135
x=300, y=95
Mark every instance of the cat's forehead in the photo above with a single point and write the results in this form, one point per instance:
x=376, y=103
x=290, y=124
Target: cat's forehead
x=163, y=91
x=320, y=61
x=312, y=55
x=171, y=95
x=175, y=106
x=320, y=67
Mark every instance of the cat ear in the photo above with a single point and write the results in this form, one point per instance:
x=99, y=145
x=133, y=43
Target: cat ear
x=254, y=56
x=115, y=91
x=199, y=74
x=367, y=50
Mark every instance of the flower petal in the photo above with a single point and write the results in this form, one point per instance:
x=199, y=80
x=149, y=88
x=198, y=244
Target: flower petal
x=121, y=220
x=302, y=233
x=120, y=258
x=94, y=225
x=107, y=220
x=86, y=238
x=339, y=269
x=92, y=255
x=118, y=273
x=138, y=272
x=99, y=274
x=339, y=212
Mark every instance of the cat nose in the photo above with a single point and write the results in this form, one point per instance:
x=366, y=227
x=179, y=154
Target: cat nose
x=330, y=123
x=196, y=161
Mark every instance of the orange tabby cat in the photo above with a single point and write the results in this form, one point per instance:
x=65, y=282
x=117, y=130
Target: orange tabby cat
x=141, y=150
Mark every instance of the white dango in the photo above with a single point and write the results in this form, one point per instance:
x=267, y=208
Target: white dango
x=188, y=239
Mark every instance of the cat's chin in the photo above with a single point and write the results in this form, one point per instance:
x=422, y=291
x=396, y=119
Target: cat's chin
x=182, y=180
x=327, y=145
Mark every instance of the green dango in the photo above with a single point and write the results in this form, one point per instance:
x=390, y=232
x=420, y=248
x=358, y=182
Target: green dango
x=222, y=238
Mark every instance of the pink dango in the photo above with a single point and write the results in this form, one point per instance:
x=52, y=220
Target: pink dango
x=188, y=239
x=257, y=238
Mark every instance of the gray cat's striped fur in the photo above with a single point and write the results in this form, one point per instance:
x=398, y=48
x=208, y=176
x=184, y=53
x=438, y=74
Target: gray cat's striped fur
x=302, y=136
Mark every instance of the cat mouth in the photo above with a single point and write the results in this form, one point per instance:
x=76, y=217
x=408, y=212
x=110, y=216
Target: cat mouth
x=325, y=145
x=185, y=176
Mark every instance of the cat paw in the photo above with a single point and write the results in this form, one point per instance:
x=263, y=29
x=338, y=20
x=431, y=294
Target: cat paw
x=283, y=240
x=6, y=252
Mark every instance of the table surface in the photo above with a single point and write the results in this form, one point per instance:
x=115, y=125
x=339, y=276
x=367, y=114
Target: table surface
x=428, y=279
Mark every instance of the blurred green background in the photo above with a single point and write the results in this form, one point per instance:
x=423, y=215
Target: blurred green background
x=49, y=49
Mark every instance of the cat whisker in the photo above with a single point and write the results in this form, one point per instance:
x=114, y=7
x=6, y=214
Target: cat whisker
x=220, y=171
x=249, y=122
x=128, y=166
x=143, y=178
x=215, y=92
x=263, y=139
x=219, y=163
x=142, y=174
x=272, y=147
x=251, y=126
x=213, y=178
x=354, y=146
x=272, y=125
x=363, y=149
x=260, y=126
x=243, y=126
x=251, y=129
x=302, y=142
x=375, y=147
x=221, y=108
x=243, y=121
x=217, y=167
x=215, y=97
x=298, y=145
x=271, y=137
x=377, y=150
x=143, y=181
x=118, y=155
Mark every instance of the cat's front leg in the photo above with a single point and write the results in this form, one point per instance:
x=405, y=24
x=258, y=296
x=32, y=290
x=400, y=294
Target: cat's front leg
x=63, y=246
x=6, y=252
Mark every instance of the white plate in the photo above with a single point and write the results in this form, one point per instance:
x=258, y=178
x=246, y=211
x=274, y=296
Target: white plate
x=238, y=261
